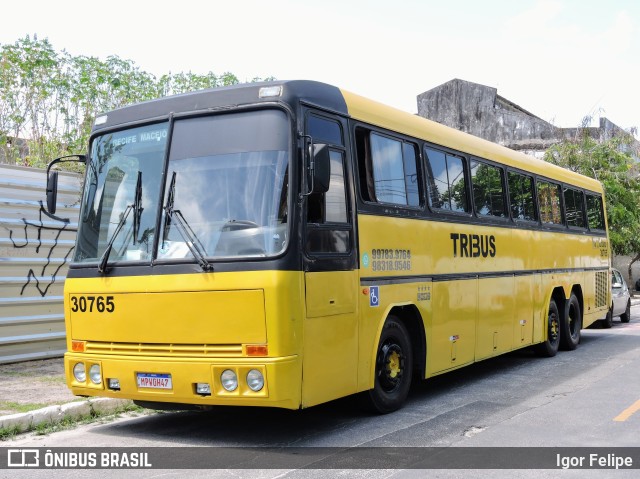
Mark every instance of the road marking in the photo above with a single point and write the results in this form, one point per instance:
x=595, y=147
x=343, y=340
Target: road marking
x=627, y=413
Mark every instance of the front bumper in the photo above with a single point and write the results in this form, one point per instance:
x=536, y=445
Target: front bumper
x=282, y=379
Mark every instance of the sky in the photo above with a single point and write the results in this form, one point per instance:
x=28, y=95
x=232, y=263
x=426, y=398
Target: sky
x=562, y=60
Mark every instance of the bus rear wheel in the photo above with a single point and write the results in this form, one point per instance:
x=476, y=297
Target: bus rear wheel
x=394, y=367
x=550, y=347
x=571, y=324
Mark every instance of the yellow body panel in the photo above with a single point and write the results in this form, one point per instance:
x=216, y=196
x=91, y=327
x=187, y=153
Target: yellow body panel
x=210, y=317
x=330, y=363
x=473, y=306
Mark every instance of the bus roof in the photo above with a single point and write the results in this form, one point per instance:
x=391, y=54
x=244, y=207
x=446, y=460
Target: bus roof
x=384, y=116
x=346, y=103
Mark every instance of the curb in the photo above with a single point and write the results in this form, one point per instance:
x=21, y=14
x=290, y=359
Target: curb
x=26, y=421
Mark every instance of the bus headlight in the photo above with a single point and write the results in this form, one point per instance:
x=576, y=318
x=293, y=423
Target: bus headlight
x=79, y=372
x=95, y=374
x=255, y=380
x=229, y=380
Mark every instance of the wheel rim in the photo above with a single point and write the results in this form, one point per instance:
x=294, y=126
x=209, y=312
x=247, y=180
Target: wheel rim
x=390, y=366
x=554, y=327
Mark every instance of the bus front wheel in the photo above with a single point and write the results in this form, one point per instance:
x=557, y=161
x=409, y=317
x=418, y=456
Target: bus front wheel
x=394, y=365
x=571, y=324
x=550, y=347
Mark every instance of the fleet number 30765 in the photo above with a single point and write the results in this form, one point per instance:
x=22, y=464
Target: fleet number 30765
x=89, y=304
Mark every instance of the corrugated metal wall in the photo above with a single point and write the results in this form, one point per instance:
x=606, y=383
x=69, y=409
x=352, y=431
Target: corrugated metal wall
x=34, y=253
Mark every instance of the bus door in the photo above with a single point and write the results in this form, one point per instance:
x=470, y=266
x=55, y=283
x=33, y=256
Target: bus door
x=331, y=283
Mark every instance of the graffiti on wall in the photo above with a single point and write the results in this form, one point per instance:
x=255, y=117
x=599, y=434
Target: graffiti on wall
x=30, y=235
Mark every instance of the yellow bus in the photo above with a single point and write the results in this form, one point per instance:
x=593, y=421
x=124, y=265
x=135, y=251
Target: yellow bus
x=288, y=243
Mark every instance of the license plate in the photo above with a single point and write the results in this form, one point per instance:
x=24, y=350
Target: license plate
x=154, y=381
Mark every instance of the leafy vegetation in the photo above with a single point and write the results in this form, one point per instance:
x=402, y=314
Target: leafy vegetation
x=49, y=99
x=20, y=407
x=69, y=422
x=611, y=162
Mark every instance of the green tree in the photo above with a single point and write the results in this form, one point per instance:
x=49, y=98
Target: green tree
x=612, y=163
x=50, y=99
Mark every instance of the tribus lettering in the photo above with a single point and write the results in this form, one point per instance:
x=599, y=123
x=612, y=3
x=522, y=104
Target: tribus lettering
x=473, y=246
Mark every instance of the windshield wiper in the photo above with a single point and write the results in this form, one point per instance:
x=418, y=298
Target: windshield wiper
x=137, y=212
x=193, y=243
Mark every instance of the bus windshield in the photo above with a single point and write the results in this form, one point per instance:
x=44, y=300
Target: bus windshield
x=225, y=191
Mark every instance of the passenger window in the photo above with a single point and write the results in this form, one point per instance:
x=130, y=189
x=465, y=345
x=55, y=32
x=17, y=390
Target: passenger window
x=488, y=189
x=447, y=188
x=521, y=197
x=595, y=216
x=394, y=175
x=573, y=206
x=388, y=169
x=549, y=203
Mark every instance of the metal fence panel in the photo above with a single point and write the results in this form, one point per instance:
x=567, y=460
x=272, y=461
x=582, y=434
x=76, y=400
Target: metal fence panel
x=34, y=253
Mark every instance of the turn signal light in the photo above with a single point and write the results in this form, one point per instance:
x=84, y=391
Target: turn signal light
x=257, y=350
x=78, y=346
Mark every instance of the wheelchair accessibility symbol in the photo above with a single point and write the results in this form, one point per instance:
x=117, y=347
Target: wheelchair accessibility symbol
x=374, y=296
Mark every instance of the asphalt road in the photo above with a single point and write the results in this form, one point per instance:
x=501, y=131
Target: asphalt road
x=584, y=398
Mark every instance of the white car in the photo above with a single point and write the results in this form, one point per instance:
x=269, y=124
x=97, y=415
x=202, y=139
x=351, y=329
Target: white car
x=620, y=300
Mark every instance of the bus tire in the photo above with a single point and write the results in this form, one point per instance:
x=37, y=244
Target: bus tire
x=571, y=324
x=550, y=347
x=394, y=367
x=607, y=322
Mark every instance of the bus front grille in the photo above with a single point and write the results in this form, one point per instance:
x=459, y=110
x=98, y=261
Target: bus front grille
x=174, y=350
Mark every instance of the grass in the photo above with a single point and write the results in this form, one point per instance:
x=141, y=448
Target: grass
x=69, y=422
x=21, y=407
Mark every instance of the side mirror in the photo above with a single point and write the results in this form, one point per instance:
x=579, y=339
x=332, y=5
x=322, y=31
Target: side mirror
x=52, y=192
x=52, y=181
x=320, y=169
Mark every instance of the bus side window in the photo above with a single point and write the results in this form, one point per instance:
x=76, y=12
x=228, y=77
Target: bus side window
x=521, y=197
x=447, y=185
x=388, y=169
x=595, y=217
x=488, y=189
x=574, y=209
x=549, y=203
